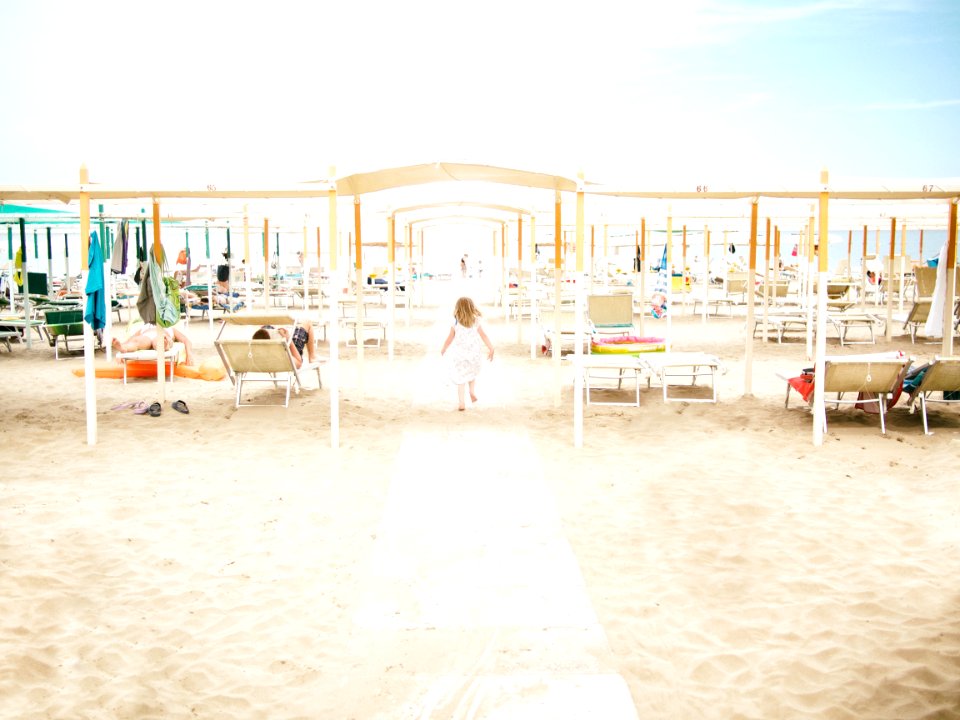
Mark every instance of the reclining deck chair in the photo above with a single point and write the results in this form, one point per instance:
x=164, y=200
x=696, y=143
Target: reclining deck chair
x=249, y=360
x=942, y=375
x=610, y=314
x=878, y=375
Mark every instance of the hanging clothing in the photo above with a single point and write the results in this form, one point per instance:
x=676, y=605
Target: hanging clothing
x=165, y=292
x=96, y=314
x=146, y=307
x=934, y=325
x=658, y=303
x=118, y=263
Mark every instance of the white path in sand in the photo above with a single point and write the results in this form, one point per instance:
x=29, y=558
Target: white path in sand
x=471, y=559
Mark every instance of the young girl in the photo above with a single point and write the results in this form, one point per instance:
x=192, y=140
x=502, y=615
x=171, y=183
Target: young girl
x=465, y=337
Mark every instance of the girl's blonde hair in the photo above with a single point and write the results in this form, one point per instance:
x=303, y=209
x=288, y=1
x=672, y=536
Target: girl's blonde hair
x=465, y=312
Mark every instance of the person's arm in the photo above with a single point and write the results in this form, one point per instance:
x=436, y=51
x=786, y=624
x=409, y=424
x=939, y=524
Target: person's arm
x=447, y=342
x=486, y=341
x=188, y=346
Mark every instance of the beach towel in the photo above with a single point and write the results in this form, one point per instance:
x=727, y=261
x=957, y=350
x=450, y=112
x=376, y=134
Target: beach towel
x=96, y=314
x=118, y=263
x=658, y=303
x=166, y=292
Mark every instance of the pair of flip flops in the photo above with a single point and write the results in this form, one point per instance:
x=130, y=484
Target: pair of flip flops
x=153, y=410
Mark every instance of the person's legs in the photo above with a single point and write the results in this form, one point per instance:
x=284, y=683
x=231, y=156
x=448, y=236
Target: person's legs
x=134, y=343
x=311, y=343
x=460, y=397
x=473, y=395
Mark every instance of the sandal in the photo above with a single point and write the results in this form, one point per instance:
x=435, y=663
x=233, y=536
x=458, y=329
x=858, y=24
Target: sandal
x=181, y=406
x=154, y=410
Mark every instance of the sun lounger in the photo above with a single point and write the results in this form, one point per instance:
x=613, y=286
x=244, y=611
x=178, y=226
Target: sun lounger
x=873, y=378
x=7, y=335
x=917, y=317
x=63, y=326
x=668, y=366
x=599, y=367
x=248, y=360
x=943, y=376
x=170, y=358
x=610, y=314
x=845, y=321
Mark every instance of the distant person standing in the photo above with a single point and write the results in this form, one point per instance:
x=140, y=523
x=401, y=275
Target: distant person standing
x=466, y=338
x=463, y=265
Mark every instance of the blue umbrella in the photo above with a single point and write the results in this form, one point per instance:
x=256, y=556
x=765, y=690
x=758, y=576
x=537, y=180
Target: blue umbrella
x=96, y=315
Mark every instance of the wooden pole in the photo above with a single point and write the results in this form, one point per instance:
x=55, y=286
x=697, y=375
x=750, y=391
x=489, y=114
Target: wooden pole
x=951, y=279
x=901, y=264
x=89, y=372
x=811, y=257
x=863, y=271
x=766, y=280
x=706, y=273
x=819, y=408
x=683, y=269
x=534, y=290
x=392, y=280
x=333, y=383
x=579, y=303
x=161, y=343
x=555, y=346
x=266, y=263
x=751, y=299
x=888, y=282
x=358, y=293
x=521, y=290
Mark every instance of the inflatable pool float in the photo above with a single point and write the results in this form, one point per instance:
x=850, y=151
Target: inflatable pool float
x=626, y=345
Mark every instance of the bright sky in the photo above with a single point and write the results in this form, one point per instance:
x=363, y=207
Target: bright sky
x=704, y=90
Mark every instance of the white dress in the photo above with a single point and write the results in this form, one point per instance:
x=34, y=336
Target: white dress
x=466, y=353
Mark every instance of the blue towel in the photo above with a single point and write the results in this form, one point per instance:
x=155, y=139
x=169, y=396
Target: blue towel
x=96, y=314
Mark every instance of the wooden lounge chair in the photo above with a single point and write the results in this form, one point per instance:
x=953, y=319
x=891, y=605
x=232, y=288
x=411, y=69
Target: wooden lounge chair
x=943, y=376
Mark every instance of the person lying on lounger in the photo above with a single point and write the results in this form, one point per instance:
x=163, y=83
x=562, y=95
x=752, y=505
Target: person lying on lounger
x=145, y=338
x=302, y=338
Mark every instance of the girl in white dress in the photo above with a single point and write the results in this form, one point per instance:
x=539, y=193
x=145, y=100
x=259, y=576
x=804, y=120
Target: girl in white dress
x=465, y=338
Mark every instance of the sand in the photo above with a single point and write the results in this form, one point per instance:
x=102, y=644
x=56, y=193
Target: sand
x=690, y=561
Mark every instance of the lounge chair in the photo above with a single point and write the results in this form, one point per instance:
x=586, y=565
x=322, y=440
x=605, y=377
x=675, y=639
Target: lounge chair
x=248, y=360
x=871, y=377
x=63, y=326
x=692, y=365
x=942, y=375
x=917, y=317
x=610, y=314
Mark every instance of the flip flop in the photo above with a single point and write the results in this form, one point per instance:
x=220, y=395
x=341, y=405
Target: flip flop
x=140, y=408
x=154, y=410
x=125, y=405
x=181, y=406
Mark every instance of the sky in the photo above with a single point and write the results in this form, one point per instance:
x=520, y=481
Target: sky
x=679, y=92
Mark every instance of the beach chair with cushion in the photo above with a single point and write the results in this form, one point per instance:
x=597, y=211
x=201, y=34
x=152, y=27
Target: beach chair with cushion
x=248, y=360
x=943, y=376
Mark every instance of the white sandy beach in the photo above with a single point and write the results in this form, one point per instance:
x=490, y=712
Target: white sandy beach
x=691, y=561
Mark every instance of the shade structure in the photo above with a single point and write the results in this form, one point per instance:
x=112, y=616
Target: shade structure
x=380, y=181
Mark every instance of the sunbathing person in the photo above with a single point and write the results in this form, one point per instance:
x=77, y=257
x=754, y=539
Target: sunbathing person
x=302, y=338
x=145, y=338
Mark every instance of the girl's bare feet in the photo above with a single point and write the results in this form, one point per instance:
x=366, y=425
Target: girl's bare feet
x=461, y=408
x=473, y=398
